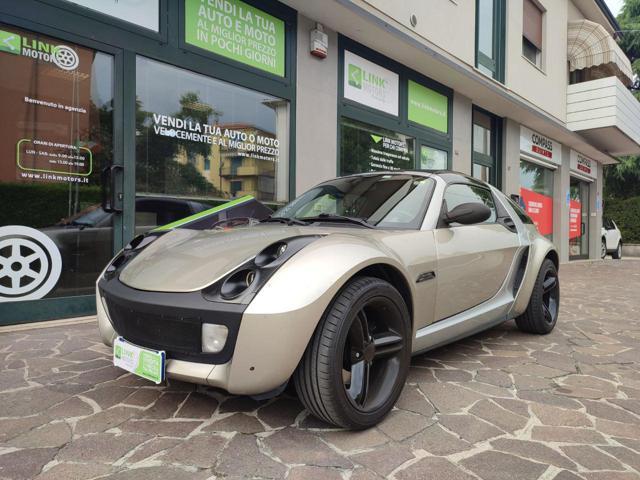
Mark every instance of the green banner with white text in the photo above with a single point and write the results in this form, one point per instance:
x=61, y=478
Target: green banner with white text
x=236, y=30
x=428, y=107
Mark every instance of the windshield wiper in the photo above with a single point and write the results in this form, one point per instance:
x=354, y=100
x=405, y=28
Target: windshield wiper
x=329, y=217
x=285, y=220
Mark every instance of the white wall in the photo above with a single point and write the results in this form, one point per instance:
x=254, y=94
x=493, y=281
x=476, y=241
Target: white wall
x=448, y=24
x=462, y=121
x=545, y=87
x=316, y=110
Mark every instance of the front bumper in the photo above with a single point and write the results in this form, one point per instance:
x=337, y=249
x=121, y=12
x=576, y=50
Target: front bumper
x=266, y=347
x=170, y=322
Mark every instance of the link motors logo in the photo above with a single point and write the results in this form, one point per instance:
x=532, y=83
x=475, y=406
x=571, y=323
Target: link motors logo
x=373, y=84
x=62, y=56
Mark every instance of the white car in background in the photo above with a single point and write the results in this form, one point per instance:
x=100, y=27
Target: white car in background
x=611, y=239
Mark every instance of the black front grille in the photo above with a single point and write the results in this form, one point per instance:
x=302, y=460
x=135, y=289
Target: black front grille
x=170, y=321
x=160, y=332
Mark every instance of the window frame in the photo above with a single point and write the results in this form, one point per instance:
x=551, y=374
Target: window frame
x=497, y=64
x=351, y=110
x=539, y=61
x=494, y=160
x=124, y=40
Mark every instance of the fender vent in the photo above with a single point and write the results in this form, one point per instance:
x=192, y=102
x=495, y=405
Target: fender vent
x=522, y=266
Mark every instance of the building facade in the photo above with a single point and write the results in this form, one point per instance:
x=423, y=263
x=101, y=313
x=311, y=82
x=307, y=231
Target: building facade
x=122, y=115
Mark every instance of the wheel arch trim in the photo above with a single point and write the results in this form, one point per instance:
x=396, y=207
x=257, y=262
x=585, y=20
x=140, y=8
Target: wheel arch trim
x=278, y=324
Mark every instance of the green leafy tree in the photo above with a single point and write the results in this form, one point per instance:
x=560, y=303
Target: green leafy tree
x=629, y=20
x=623, y=180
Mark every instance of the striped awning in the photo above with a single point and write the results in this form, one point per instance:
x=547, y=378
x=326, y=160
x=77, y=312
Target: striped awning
x=590, y=45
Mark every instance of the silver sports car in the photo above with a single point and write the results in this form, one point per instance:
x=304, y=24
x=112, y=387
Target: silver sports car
x=334, y=292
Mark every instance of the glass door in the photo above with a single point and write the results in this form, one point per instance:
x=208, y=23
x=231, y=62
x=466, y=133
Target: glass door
x=432, y=158
x=58, y=175
x=578, y=219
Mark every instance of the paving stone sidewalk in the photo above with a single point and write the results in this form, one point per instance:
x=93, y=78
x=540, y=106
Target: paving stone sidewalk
x=500, y=405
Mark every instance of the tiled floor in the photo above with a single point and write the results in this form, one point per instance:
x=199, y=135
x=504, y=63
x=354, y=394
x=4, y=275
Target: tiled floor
x=500, y=405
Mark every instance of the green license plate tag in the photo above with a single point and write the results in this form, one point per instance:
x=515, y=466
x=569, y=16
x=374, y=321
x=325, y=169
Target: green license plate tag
x=143, y=362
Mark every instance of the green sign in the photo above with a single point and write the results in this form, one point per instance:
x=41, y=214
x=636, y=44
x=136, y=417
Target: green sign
x=428, y=107
x=9, y=42
x=145, y=363
x=238, y=31
x=355, y=76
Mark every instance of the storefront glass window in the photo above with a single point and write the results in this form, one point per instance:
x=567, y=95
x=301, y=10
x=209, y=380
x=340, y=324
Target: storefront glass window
x=145, y=13
x=578, y=219
x=202, y=139
x=367, y=148
x=485, y=146
x=536, y=195
x=432, y=158
x=482, y=172
x=56, y=137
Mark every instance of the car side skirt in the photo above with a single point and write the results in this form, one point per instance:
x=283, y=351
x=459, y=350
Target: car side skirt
x=476, y=319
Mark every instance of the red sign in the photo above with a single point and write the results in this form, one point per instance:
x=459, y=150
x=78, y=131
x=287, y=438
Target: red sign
x=540, y=209
x=542, y=151
x=575, y=219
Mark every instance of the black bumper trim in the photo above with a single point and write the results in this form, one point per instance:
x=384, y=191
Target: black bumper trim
x=170, y=321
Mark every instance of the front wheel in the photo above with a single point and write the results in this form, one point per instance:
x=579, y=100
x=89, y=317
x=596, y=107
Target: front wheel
x=541, y=314
x=603, y=249
x=356, y=363
x=617, y=254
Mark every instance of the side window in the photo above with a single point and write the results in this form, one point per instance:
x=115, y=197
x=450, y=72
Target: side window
x=459, y=193
x=522, y=215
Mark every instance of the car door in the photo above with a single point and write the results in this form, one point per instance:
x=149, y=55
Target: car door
x=473, y=261
x=611, y=234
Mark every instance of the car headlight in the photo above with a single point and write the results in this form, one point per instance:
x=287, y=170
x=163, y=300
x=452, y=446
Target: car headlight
x=245, y=281
x=214, y=337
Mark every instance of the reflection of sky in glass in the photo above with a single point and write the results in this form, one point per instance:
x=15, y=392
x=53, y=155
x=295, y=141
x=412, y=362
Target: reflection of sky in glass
x=160, y=86
x=102, y=79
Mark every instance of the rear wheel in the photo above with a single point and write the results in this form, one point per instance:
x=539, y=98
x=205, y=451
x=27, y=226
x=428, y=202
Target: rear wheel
x=617, y=254
x=541, y=314
x=356, y=363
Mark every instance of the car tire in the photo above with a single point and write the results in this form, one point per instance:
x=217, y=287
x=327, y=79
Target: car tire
x=603, y=249
x=617, y=254
x=367, y=325
x=541, y=314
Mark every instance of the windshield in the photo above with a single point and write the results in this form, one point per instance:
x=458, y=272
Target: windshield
x=387, y=201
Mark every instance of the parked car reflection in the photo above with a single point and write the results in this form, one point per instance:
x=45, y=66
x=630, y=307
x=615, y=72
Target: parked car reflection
x=85, y=239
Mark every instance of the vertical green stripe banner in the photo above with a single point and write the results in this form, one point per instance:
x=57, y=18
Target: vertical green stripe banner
x=236, y=30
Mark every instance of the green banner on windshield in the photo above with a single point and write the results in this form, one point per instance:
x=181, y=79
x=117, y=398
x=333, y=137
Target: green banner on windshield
x=238, y=31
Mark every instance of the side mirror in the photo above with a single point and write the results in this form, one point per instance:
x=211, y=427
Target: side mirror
x=468, y=213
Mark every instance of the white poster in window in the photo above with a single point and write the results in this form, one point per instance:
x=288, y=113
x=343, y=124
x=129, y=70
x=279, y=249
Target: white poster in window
x=369, y=84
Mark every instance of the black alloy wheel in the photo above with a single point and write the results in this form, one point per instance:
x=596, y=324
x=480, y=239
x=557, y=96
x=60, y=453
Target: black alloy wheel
x=371, y=358
x=550, y=296
x=541, y=314
x=356, y=364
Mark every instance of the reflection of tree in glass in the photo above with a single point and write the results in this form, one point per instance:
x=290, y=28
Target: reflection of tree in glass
x=158, y=169
x=535, y=173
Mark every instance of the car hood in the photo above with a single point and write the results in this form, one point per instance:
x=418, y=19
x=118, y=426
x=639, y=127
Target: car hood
x=186, y=260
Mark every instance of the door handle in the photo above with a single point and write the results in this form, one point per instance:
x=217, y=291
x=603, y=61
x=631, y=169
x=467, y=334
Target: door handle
x=582, y=228
x=108, y=188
